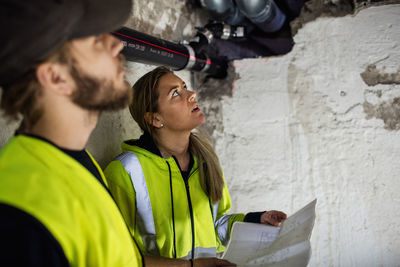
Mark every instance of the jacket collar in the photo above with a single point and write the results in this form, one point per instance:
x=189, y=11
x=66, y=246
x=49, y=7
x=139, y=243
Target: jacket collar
x=146, y=142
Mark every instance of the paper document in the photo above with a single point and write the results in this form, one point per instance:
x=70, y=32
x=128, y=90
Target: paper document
x=257, y=245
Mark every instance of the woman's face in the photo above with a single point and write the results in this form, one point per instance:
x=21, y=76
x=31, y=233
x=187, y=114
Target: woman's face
x=178, y=109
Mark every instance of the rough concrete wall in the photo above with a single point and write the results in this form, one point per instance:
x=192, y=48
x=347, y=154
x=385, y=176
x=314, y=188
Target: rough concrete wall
x=323, y=122
x=7, y=130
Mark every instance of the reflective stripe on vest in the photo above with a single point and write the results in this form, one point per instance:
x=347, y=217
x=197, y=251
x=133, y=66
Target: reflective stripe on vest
x=222, y=225
x=144, y=214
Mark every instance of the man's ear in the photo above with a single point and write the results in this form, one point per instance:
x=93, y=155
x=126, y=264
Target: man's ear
x=55, y=77
x=153, y=119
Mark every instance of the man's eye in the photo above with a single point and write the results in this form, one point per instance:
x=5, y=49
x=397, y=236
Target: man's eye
x=175, y=93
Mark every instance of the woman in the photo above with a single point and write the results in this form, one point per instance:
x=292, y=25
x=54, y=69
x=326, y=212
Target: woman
x=169, y=183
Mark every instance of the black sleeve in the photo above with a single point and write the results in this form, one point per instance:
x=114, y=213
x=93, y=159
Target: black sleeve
x=26, y=242
x=253, y=217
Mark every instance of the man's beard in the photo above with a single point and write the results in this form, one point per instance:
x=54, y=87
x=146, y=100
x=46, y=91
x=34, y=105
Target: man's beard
x=98, y=94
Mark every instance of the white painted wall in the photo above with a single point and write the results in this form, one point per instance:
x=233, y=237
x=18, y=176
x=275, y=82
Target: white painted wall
x=295, y=129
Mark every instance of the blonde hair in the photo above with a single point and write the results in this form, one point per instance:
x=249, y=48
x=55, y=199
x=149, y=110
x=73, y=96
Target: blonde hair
x=145, y=99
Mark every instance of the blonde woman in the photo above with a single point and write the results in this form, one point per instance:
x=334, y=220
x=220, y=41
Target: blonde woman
x=169, y=183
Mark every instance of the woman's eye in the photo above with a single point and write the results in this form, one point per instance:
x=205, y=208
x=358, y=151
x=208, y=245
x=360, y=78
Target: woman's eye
x=175, y=93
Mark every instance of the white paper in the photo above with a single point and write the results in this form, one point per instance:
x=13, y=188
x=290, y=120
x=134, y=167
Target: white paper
x=257, y=245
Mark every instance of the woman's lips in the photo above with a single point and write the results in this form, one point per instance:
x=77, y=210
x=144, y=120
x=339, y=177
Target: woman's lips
x=196, y=109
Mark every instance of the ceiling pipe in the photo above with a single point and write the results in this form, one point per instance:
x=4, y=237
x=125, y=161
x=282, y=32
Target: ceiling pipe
x=143, y=48
x=263, y=13
x=224, y=10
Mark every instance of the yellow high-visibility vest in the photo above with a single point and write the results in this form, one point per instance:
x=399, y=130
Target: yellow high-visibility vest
x=66, y=198
x=167, y=216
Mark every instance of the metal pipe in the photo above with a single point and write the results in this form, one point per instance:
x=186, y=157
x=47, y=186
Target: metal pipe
x=143, y=48
x=264, y=13
x=224, y=10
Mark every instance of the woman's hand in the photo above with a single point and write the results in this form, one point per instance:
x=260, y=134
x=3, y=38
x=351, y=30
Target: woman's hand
x=273, y=217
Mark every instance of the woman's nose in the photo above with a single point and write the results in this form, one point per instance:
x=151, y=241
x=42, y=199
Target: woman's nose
x=192, y=96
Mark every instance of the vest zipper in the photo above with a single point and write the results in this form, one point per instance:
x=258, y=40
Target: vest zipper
x=172, y=207
x=191, y=214
x=190, y=208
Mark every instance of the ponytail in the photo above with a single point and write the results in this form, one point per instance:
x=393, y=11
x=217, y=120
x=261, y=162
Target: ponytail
x=211, y=179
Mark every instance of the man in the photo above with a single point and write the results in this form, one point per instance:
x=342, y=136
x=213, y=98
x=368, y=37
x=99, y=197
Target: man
x=59, y=69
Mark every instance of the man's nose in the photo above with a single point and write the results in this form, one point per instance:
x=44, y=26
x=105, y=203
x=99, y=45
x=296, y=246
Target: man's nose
x=114, y=44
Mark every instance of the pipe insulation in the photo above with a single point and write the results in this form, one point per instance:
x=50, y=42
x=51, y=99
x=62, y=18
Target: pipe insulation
x=143, y=48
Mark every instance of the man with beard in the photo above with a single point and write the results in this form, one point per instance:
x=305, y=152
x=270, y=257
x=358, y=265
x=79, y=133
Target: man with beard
x=59, y=69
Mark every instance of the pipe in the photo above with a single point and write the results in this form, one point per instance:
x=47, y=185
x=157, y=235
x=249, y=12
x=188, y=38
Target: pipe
x=264, y=13
x=224, y=10
x=143, y=48
x=221, y=30
x=220, y=8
